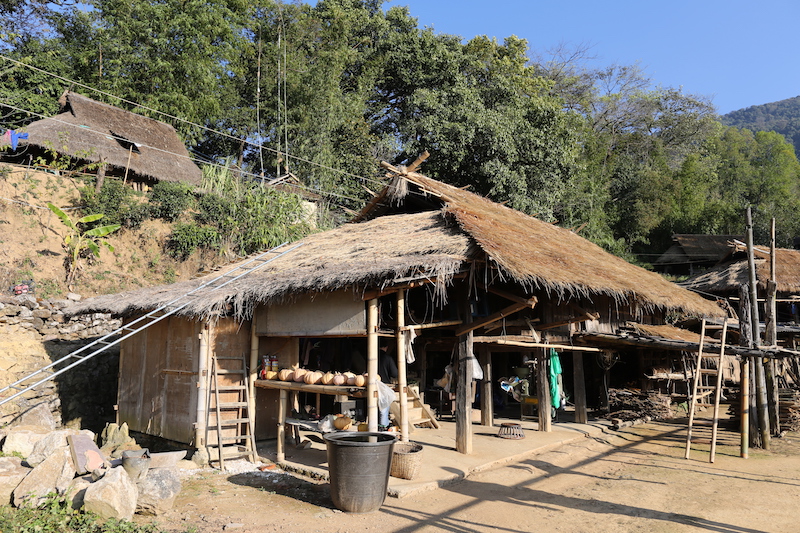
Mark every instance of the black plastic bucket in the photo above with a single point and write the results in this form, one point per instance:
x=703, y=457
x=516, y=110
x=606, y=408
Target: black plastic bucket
x=359, y=464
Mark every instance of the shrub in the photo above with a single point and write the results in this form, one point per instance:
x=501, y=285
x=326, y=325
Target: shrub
x=169, y=200
x=186, y=238
x=117, y=202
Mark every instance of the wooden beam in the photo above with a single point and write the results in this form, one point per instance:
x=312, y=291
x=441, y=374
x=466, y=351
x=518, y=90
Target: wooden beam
x=525, y=344
x=527, y=300
x=583, y=318
x=418, y=161
x=429, y=325
x=494, y=317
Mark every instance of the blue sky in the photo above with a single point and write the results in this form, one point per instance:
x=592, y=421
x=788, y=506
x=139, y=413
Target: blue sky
x=739, y=53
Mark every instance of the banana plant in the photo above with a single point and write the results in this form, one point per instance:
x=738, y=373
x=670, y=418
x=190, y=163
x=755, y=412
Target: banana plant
x=78, y=241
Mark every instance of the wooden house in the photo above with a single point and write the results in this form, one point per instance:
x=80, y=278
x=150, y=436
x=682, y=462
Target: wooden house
x=424, y=266
x=128, y=145
x=691, y=254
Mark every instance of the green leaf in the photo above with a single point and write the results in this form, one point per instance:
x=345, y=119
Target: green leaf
x=102, y=231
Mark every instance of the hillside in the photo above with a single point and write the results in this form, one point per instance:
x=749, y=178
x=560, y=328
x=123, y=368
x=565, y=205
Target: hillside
x=32, y=243
x=782, y=117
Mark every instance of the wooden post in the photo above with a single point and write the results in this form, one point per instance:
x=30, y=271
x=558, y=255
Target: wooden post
x=760, y=378
x=251, y=383
x=281, y=444
x=101, y=176
x=402, y=384
x=744, y=384
x=581, y=416
x=464, y=385
x=372, y=365
x=543, y=391
x=771, y=339
x=487, y=398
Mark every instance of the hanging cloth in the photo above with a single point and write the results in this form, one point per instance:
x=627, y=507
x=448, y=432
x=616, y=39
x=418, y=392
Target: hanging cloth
x=408, y=337
x=12, y=137
x=555, y=372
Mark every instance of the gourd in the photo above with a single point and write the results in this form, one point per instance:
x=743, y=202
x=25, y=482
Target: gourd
x=327, y=378
x=285, y=374
x=351, y=378
x=270, y=374
x=342, y=423
x=313, y=377
x=300, y=374
x=339, y=379
x=360, y=380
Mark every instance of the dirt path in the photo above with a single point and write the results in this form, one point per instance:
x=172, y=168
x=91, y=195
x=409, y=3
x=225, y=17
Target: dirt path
x=634, y=480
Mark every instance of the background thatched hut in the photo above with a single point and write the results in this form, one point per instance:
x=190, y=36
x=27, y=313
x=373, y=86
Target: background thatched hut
x=88, y=131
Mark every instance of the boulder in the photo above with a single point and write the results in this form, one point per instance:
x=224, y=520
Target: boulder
x=157, y=491
x=38, y=416
x=112, y=496
x=45, y=447
x=76, y=491
x=54, y=474
x=11, y=474
x=21, y=439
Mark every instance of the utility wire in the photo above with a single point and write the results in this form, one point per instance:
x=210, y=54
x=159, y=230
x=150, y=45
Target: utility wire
x=190, y=158
x=173, y=117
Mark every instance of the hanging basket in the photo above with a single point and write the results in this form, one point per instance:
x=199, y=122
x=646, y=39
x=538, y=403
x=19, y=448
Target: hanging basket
x=406, y=460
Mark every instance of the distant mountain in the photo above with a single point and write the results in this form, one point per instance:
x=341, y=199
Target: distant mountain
x=782, y=117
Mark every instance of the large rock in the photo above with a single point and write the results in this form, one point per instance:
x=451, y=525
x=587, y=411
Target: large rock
x=112, y=496
x=54, y=474
x=55, y=440
x=38, y=416
x=11, y=474
x=76, y=491
x=21, y=439
x=157, y=491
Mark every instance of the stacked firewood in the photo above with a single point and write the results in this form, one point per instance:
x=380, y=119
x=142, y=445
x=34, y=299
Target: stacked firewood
x=634, y=404
x=789, y=410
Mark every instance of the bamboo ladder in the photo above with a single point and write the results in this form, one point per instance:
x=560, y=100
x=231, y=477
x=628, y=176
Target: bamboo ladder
x=231, y=415
x=707, y=381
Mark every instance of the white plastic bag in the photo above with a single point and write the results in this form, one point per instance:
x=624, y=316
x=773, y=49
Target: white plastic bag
x=385, y=396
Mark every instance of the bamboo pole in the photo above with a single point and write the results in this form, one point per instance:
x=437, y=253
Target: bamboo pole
x=487, y=400
x=771, y=338
x=543, y=390
x=372, y=365
x=760, y=378
x=402, y=384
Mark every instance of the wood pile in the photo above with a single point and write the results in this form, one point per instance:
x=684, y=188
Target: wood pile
x=789, y=409
x=634, y=404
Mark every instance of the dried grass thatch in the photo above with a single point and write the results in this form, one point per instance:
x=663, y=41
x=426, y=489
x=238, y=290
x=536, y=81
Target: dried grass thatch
x=731, y=275
x=544, y=256
x=93, y=131
x=369, y=254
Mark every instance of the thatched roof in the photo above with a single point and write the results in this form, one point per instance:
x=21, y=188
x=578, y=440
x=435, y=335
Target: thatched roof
x=370, y=254
x=693, y=248
x=540, y=255
x=732, y=273
x=93, y=131
x=419, y=227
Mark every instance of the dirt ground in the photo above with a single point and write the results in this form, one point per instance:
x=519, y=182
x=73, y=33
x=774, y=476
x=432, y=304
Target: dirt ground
x=635, y=479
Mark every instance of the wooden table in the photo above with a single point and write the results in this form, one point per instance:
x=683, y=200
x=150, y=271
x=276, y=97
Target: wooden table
x=284, y=387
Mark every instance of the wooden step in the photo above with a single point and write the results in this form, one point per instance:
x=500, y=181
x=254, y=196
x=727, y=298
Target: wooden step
x=229, y=388
x=232, y=405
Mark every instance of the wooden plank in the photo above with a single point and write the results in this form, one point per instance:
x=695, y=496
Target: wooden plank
x=305, y=387
x=468, y=326
x=525, y=344
x=372, y=365
x=401, y=365
x=429, y=325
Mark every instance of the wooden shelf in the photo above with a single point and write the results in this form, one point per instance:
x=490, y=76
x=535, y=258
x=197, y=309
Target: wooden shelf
x=345, y=390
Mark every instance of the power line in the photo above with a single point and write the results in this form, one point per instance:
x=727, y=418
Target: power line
x=190, y=158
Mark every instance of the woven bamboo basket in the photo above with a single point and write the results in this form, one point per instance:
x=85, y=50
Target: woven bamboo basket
x=406, y=460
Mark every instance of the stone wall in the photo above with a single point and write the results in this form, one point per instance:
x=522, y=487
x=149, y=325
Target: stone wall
x=34, y=333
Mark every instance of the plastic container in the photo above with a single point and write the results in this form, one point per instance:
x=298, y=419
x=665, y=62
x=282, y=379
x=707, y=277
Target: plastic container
x=358, y=465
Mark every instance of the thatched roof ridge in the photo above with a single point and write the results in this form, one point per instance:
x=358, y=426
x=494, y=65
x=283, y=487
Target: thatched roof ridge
x=94, y=131
x=356, y=256
x=729, y=276
x=544, y=256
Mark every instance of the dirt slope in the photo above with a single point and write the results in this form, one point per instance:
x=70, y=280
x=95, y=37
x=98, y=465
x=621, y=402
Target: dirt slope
x=31, y=239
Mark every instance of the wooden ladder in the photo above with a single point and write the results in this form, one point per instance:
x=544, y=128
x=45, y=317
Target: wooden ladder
x=229, y=406
x=707, y=382
x=419, y=413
